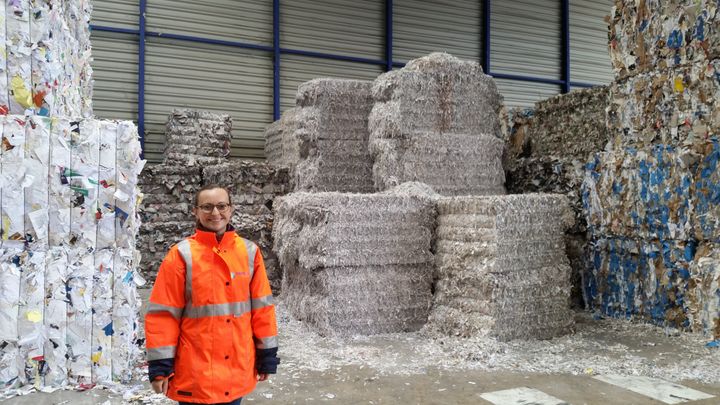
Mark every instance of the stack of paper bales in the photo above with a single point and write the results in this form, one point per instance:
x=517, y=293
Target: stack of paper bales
x=651, y=197
x=68, y=206
x=253, y=188
x=652, y=35
x=323, y=141
x=435, y=121
x=197, y=138
x=45, y=58
x=68, y=217
x=166, y=211
x=501, y=267
x=356, y=263
x=549, y=145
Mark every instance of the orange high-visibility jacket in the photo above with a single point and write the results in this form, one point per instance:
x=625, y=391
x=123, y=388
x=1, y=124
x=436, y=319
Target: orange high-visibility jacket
x=210, y=309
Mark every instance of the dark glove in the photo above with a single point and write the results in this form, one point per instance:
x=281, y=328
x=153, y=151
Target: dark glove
x=266, y=360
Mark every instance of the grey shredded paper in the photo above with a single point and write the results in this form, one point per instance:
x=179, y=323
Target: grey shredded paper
x=197, y=137
x=324, y=140
x=435, y=121
x=357, y=263
x=502, y=267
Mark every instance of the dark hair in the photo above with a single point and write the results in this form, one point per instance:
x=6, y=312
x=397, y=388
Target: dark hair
x=210, y=187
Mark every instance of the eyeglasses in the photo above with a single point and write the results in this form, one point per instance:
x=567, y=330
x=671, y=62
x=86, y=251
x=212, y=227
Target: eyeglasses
x=209, y=208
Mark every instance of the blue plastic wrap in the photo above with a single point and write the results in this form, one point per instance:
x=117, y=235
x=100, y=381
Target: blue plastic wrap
x=636, y=278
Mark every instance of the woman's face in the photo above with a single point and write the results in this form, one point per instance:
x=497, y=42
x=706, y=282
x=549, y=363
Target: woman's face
x=207, y=212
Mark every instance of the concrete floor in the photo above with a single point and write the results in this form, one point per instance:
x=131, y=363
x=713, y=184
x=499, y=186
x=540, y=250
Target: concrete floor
x=300, y=382
x=356, y=385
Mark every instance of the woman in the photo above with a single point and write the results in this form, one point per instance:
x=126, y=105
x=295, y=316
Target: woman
x=211, y=331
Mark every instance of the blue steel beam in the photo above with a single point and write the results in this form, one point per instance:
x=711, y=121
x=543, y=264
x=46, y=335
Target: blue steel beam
x=141, y=76
x=209, y=41
x=388, y=35
x=486, y=35
x=565, y=32
x=276, y=60
x=103, y=28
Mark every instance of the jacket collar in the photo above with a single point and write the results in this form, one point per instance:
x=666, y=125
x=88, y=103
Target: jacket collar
x=210, y=238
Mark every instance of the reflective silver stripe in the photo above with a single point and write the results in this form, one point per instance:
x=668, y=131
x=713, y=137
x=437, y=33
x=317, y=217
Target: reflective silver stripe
x=232, y=308
x=184, y=249
x=154, y=308
x=251, y=250
x=159, y=353
x=262, y=302
x=266, y=343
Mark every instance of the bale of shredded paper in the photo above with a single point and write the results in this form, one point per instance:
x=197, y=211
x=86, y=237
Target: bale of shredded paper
x=703, y=300
x=450, y=164
x=435, y=95
x=550, y=174
x=649, y=35
x=571, y=126
x=646, y=279
x=197, y=138
x=641, y=193
x=704, y=193
x=331, y=132
x=676, y=106
x=282, y=148
x=166, y=211
x=253, y=187
x=46, y=58
x=436, y=121
x=357, y=264
x=501, y=266
x=69, y=302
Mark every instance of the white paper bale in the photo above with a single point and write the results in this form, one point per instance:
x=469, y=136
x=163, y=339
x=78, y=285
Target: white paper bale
x=75, y=300
x=331, y=133
x=45, y=62
x=356, y=263
x=281, y=147
x=197, y=138
x=450, y=164
x=435, y=94
x=502, y=268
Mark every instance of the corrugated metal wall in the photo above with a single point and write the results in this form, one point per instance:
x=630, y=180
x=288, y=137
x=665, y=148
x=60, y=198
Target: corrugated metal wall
x=116, y=13
x=589, y=58
x=525, y=41
x=424, y=26
x=344, y=27
x=115, y=72
x=245, y=21
x=211, y=78
x=298, y=69
x=115, y=57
